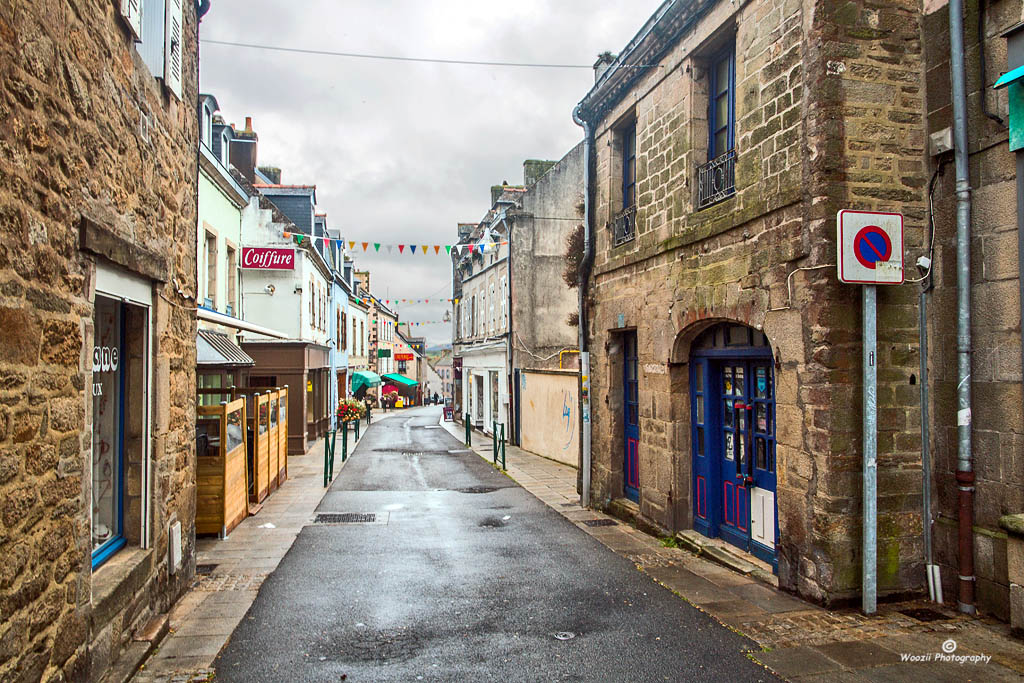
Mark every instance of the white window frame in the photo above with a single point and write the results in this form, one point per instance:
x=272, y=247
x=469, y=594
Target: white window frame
x=120, y=284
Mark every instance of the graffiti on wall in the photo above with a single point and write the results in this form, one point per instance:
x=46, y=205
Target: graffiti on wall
x=568, y=427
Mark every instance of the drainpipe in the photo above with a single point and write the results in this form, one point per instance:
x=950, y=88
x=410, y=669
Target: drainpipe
x=964, y=464
x=588, y=257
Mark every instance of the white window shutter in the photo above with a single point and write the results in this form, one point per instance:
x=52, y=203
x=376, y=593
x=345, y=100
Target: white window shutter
x=172, y=47
x=131, y=10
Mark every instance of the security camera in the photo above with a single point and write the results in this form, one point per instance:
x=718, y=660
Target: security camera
x=270, y=289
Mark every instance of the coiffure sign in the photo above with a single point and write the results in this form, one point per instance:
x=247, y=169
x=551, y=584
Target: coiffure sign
x=268, y=258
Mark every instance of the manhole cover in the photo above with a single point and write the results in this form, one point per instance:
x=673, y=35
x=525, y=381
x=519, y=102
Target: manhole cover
x=924, y=614
x=345, y=518
x=478, y=489
x=600, y=522
x=565, y=635
x=205, y=569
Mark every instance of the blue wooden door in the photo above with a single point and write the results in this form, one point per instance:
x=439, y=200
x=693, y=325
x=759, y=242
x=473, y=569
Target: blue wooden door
x=732, y=409
x=631, y=465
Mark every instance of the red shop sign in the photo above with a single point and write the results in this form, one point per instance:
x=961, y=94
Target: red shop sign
x=268, y=258
x=403, y=356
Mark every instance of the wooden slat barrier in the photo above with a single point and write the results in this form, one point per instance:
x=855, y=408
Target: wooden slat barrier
x=282, y=426
x=273, y=439
x=221, y=469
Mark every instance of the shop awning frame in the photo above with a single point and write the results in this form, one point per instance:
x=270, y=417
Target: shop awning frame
x=215, y=349
x=361, y=378
x=212, y=316
x=399, y=379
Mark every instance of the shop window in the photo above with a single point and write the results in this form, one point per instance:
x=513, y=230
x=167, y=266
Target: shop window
x=258, y=381
x=401, y=366
x=119, y=425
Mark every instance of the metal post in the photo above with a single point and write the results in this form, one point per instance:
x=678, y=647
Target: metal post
x=357, y=429
x=869, y=590
x=502, y=445
x=585, y=404
x=344, y=441
x=494, y=442
x=468, y=440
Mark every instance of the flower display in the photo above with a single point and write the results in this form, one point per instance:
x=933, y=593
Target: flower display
x=350, y=410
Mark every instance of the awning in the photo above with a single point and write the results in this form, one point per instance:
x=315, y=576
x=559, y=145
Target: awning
x=364, y=378
x=234, y=323
x=400, y=379
x=215, y=348
x=1009, y=77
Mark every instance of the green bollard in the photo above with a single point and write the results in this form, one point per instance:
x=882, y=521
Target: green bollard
x=357, y=430
x=344, y=443
x=494, y=443
x=469, y=442
x=328, y=457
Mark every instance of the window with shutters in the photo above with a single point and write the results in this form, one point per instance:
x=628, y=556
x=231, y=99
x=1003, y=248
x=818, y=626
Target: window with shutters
x=172, y=47
x=131, y=12
x=504, y=304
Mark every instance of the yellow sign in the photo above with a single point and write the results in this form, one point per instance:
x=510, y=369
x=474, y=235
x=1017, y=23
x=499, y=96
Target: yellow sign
x=309, y=385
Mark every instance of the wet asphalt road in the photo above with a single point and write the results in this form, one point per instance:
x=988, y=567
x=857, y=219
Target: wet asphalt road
x=465, y=576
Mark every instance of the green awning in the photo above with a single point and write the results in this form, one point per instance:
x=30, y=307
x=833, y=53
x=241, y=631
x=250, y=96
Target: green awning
x=364, y=378
x=399, y=379
x=1009, y=77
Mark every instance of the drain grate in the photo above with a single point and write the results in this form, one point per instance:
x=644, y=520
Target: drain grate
x=345, y=518
x=205, y=569
x=478, y=489
x=600, y=522
x=924, y=614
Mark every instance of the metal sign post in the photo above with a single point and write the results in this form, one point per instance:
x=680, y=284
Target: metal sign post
x=870, y=252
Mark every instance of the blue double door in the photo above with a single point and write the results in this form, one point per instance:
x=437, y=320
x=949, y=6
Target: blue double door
x=732, y=398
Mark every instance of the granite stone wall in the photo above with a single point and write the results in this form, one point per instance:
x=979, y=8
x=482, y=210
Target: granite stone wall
x=97, y=165
x=828, y=116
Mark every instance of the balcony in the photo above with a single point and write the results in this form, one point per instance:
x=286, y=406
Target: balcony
x=624, y=226
x=229, y=309
x=716, y=180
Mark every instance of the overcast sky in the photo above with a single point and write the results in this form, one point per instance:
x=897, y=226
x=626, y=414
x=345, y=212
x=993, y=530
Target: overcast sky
x=401, y=152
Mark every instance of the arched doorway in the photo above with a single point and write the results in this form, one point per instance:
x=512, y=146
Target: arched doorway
x=732, y=413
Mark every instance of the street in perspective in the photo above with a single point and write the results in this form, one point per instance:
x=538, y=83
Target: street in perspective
x=666, y=340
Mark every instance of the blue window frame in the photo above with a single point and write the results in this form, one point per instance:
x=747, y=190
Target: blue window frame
x=722, y=103
x=629, y=165
x=108, y=390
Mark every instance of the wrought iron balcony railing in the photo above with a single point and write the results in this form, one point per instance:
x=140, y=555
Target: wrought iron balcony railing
x=624, y=226
x=716, y=180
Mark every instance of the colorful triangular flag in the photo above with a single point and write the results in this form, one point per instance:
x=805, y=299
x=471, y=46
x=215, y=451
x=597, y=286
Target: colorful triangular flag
x=390, y=248
x=448, y=249
x=437, y=248
x=376, y=246
x=401, y=248
x=424, y=248
x=287, y=235
x=365, y=244
x=351, y=245
x=298, y=239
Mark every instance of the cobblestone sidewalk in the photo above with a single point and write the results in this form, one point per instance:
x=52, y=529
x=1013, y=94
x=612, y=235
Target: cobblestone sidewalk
x=911, y=641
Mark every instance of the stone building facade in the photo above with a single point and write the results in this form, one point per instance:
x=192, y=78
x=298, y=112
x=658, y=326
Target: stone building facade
x=98, y=177
x=725, y=354
x=998, y=421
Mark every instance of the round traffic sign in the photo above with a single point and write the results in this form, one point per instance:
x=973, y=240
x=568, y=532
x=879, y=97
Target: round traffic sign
x=872, y=245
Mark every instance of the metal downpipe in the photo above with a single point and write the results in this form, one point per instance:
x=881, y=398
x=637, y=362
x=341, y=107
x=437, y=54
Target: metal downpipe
x=964, y=465
x=588, y=256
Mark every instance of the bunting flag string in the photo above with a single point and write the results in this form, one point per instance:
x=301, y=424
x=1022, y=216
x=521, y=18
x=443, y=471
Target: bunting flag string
x=414, y=249
x=423, y=322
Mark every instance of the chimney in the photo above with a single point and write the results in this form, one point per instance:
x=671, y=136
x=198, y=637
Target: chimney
x=272, y=172
x=364, y=279
x=533, y=169
x=604, y=60
x=243, y=151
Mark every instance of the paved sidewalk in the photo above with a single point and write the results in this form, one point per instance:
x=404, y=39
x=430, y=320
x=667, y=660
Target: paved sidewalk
x=799, y=640
x=229, y=572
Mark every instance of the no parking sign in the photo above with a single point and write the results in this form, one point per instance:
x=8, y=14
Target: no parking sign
x=870, y=247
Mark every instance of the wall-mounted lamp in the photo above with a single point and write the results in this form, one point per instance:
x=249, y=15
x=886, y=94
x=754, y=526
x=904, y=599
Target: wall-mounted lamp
x=270, y=289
